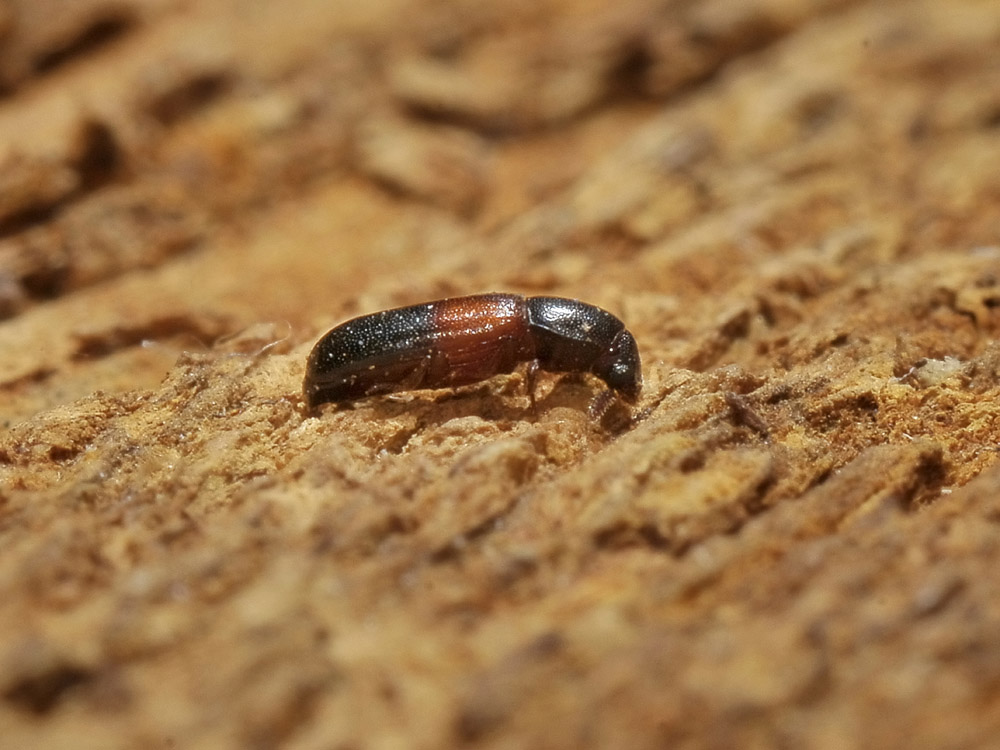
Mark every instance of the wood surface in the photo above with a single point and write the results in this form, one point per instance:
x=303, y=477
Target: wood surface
x=794, y=205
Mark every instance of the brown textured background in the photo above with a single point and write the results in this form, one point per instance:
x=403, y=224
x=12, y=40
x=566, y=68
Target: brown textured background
x=794, y=205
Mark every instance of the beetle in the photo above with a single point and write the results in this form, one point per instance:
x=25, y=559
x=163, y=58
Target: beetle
x=462, y=340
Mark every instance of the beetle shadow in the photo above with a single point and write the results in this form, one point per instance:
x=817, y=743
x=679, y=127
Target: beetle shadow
x=506, y=404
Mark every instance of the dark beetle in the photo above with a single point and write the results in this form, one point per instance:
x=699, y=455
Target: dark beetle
x=463, y=340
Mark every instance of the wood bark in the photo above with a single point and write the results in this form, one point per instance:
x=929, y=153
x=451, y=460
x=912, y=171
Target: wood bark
x=792, y=541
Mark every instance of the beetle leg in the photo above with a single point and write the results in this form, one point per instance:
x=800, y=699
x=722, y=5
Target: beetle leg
x=418, y=377
x=412, y=380
x=600, y=405
x=530, y=380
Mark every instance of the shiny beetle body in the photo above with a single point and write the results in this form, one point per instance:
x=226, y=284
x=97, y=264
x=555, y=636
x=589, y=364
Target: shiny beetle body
x=463, y=340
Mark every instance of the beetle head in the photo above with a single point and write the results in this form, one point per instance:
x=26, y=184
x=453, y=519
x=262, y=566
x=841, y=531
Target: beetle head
x=619, y=366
